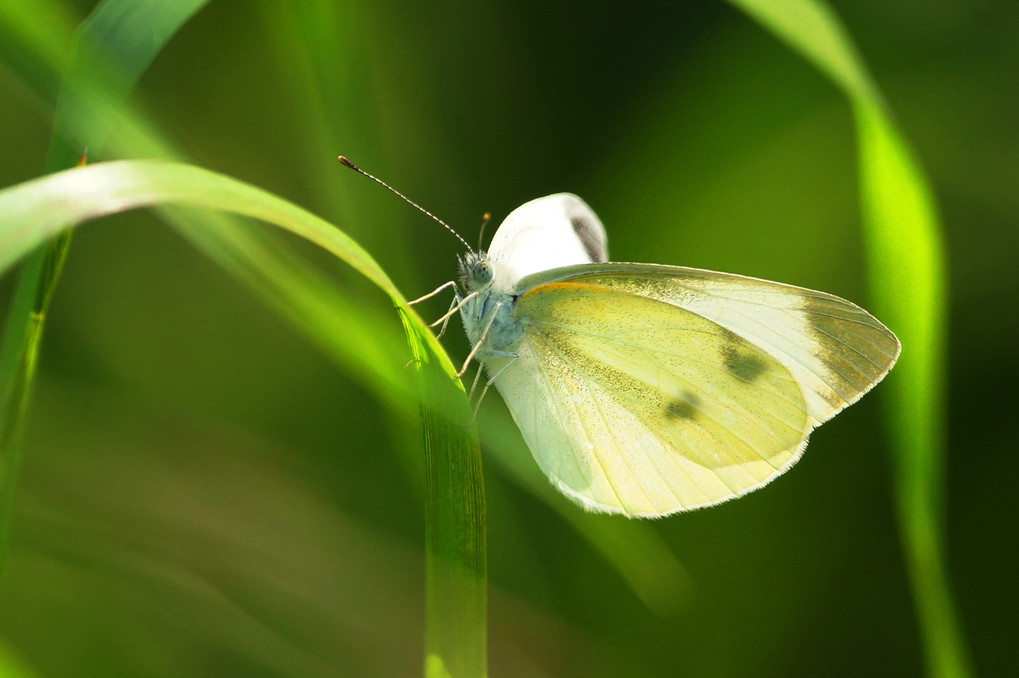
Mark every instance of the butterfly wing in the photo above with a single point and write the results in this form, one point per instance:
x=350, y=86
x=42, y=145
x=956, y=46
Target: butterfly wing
x=834, y=349
x=646, y=390
x=555, y=231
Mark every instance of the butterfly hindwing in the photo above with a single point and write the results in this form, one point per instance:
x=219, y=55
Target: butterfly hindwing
x=550, y=232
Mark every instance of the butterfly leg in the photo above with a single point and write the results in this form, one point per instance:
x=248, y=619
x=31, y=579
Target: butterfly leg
x=458, y=304
x=451, y=283
x=489, y=382
x=498, y=354
x=454, y=306
x=477, y=378
x=449, y=314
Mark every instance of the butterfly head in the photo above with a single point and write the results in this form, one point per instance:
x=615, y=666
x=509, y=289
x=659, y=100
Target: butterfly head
x=475, y=271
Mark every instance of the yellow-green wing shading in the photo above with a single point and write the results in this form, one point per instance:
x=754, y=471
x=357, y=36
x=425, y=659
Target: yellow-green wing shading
x=636, y=406
x=834, y=349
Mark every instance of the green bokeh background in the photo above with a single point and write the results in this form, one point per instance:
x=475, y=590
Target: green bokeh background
x=204, y=494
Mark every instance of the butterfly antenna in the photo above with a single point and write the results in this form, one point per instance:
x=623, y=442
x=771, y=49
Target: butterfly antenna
x=485, y=218
x=343, y=160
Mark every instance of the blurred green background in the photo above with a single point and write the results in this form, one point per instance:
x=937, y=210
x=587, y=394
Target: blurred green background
x=203, y=493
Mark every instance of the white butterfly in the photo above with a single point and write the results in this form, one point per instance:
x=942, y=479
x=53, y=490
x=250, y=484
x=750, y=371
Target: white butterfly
x=644, y=389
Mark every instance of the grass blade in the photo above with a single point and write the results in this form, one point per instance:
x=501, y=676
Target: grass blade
x=906, y=254
x=455, y=555
x=116, y=43
x=907, y=279
x=305, y=300
x=40, y=209
x=455, y=529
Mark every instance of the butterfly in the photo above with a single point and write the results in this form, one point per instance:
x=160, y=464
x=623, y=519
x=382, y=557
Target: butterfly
x=645, y=389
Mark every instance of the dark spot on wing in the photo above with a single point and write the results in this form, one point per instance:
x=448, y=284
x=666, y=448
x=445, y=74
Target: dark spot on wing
x=738, y=357
x=684, y=407
x=741, y=364
x=588, y=235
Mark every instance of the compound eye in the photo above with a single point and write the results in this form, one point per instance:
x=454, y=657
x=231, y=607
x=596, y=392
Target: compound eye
x=483, y=273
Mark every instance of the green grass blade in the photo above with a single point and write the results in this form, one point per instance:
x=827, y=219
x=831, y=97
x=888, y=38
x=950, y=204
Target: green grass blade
x=40, y=209
x=113, y=48
x=908, y=279
x=116, y=43
x=455, y=529
x=22, y=328
x=455, y=560
x=456, y=574
x=455, y=520
x=906, y=254
x=19, y=355
x=812, y=29
x=359, y=347
x=13, y=413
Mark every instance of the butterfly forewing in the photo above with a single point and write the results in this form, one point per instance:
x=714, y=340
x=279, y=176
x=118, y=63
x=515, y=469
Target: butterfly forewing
x=834, y=349
x=643, y=408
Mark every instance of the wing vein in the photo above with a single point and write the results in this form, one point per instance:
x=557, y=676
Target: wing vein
x=622, y=454
x=561, y=422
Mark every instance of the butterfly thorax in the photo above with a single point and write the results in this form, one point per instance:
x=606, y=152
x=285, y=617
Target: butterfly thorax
x=488, y=315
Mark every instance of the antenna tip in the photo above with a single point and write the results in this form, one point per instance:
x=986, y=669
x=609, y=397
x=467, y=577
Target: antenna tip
x=343, y=161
